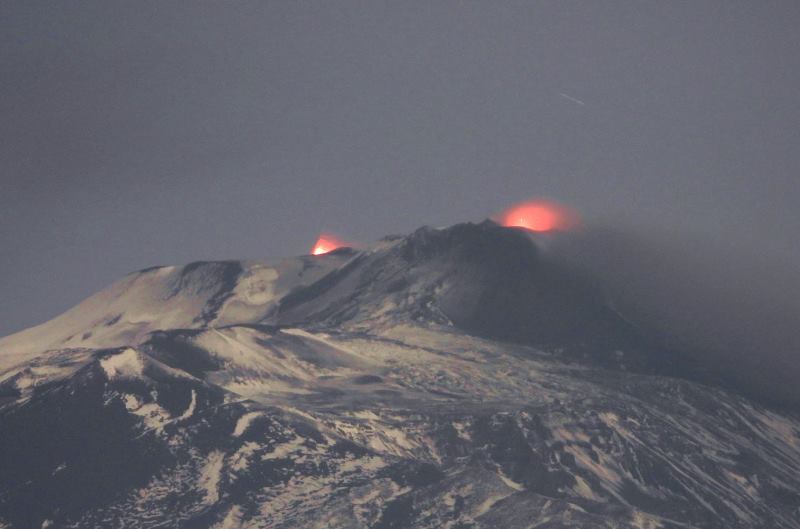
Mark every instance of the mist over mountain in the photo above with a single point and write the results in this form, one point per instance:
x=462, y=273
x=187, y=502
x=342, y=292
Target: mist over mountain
x=733, y=305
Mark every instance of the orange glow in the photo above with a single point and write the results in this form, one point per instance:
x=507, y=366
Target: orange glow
x=538, y=215
x=327, y=243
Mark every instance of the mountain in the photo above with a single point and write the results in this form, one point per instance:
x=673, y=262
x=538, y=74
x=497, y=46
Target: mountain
x=452, y=378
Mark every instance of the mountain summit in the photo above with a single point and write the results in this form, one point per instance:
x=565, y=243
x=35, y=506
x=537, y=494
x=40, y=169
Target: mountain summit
x=483, y=279
x=458, y=377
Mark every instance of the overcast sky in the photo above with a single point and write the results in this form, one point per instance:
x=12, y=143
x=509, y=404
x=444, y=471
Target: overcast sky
x=143, y=133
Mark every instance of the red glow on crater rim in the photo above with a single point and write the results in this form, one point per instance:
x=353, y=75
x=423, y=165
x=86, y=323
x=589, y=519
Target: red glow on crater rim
x=539, y=216
x=326, y=244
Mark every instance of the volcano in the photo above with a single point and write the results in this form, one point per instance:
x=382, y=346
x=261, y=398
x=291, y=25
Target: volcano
x=450, y=378
x=327, y=243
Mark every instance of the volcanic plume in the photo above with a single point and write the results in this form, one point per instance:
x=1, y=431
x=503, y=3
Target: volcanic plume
x=538, y=215
x=327, y=243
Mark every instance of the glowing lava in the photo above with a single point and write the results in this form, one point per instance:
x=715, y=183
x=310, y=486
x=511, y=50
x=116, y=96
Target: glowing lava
x=538, y=216
x=326, y=244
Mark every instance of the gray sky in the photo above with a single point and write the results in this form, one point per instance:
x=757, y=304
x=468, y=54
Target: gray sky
x=142, y=133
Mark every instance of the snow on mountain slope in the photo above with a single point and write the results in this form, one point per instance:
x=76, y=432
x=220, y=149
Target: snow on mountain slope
x=484, y=279
x=416, y=428
x=369, y=390
x=173, y=297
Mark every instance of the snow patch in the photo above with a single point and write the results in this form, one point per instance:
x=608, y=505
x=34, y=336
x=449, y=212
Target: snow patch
x=641, y=520
x=487, y=504
x=583, y=489
x=241, y=459
x=153, y=415
x=232, y=520
x=210, y=476
x=601, y=468
x=244, y=422
x=252, y=297
x=127, y=364
x=509, y=482
x=285, y=449
x=782, y=428
x=190, y=410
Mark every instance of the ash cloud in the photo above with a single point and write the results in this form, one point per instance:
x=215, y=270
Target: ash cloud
x=730, y=303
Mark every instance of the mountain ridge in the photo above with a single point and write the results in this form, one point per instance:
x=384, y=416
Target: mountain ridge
x=485, y=283
x=358, y=389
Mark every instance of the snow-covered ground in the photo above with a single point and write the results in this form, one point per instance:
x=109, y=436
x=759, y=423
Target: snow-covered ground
x=343, y=391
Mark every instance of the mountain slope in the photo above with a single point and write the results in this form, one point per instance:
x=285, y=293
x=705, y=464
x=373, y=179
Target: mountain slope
x=169, y=297
x=426, y=381
x=484, y=279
